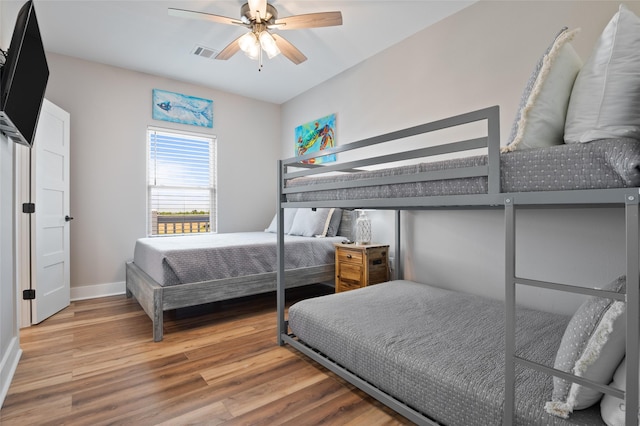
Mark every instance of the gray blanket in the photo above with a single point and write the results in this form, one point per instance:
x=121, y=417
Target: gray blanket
x=438, y=351
x=611, y=163
x=196, y=258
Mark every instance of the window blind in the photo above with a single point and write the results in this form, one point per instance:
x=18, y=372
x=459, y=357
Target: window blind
x=181, y=182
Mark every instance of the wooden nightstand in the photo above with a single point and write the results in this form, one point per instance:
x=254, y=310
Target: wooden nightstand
x=358, y=266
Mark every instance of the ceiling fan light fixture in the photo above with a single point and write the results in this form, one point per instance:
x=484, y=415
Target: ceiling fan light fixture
x=268, y=44
x=247, y=42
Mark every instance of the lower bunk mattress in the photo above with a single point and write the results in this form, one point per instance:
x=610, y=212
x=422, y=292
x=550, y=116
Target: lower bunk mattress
x=197, y=258
x=439, y=352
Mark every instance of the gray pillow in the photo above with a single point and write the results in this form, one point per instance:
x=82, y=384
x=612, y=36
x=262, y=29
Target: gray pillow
x=592, y=347
x=334, y=223
x=289, y=215
x=347, y=224
x=310, y=223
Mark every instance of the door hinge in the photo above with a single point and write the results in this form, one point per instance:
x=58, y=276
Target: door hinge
x=28, y=208
x=28, y=294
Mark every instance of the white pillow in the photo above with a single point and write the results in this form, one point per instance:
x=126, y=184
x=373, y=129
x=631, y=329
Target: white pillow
x=605, y=101
x=289, y=215
x=592, y=347
x=311, y=223
x=541, y=117
x=612, y=409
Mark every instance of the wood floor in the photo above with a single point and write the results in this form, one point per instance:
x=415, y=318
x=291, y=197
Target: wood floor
x=95, y=363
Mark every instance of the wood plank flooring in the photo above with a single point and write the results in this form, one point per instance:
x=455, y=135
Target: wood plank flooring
x=95, y=363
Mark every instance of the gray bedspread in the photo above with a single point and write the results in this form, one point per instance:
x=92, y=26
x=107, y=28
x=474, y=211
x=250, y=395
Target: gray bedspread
x=611, y=163
x=438, y=351
x=196, y=258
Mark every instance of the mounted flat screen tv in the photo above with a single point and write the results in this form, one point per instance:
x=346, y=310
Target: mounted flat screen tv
x=24, y=79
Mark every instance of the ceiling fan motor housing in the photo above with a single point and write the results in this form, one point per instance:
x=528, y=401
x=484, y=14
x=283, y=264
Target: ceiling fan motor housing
x=272, y=13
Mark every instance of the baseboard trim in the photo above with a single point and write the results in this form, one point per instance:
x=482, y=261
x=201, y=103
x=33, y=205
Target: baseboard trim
x=8, y=366
x=97, y=290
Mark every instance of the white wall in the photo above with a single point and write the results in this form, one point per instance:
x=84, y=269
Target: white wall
x=479, y=57
x=110, y=110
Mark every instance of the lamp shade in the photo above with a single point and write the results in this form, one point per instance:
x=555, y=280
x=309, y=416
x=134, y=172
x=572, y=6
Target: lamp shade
x=269, y=45
x=248, y=42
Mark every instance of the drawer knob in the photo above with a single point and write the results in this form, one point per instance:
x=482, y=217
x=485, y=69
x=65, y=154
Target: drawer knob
x=349, y=256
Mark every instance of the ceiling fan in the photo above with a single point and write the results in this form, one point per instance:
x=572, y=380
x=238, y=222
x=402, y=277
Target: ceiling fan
x=260, y=18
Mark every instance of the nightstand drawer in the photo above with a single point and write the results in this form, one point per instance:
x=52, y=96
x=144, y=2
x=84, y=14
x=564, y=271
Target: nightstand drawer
x=350, y=256
x=350, y=273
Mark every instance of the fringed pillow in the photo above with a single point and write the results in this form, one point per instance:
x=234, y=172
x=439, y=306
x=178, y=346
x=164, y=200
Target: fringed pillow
x=592, y=347
x=540, y=118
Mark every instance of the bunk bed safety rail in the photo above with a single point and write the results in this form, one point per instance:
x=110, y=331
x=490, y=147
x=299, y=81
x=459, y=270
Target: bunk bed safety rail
x=491, y=142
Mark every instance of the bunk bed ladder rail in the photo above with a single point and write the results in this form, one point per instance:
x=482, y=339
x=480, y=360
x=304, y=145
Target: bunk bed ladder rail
x=632, y=299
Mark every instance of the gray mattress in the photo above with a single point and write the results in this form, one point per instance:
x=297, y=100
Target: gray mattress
x=610, y=163
x=438, y=351
x=197, y=258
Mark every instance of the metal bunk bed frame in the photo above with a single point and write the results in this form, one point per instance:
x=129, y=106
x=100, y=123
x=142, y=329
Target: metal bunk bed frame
x=510, y=202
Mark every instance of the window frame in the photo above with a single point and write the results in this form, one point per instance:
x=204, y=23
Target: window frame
x=213, y=202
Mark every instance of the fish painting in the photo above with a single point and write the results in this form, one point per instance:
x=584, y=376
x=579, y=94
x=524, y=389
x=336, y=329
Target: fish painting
x=179, y=108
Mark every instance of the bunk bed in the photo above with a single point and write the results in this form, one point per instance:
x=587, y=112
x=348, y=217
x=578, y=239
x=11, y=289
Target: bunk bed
x=574, y=143
x=420, y=372
x=181, y=271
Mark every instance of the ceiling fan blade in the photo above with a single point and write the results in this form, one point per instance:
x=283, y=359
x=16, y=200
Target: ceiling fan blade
x=258, y=9
x=231, y=49
x=181, y=13
x=310, y=20
x=289, y=50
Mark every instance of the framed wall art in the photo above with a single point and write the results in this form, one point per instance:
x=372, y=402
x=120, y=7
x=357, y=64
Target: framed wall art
x=179, y=108
x=317, y=135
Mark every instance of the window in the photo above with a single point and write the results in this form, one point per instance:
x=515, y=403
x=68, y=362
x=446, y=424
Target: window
x=181, y=182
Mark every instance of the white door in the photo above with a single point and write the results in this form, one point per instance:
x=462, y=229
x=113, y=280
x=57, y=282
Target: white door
x=50, y=222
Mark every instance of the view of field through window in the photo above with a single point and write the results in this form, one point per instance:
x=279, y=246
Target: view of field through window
x=181, y=183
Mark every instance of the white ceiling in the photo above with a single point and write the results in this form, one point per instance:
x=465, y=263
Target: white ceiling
x=141, y=36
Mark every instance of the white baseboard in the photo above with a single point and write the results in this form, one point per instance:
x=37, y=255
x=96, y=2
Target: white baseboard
x=97, y=290
x=8, y=366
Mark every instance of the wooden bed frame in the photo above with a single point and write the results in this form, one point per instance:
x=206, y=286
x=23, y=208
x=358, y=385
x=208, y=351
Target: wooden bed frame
x=156, y=299
x=494, y=198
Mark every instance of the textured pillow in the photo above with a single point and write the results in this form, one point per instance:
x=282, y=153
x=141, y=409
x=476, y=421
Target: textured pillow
x=310, y=223
x=334, y=223
x=612, y=408
x=605, y=101
x=289, y=215
x=541, y=115
x=592, y=347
